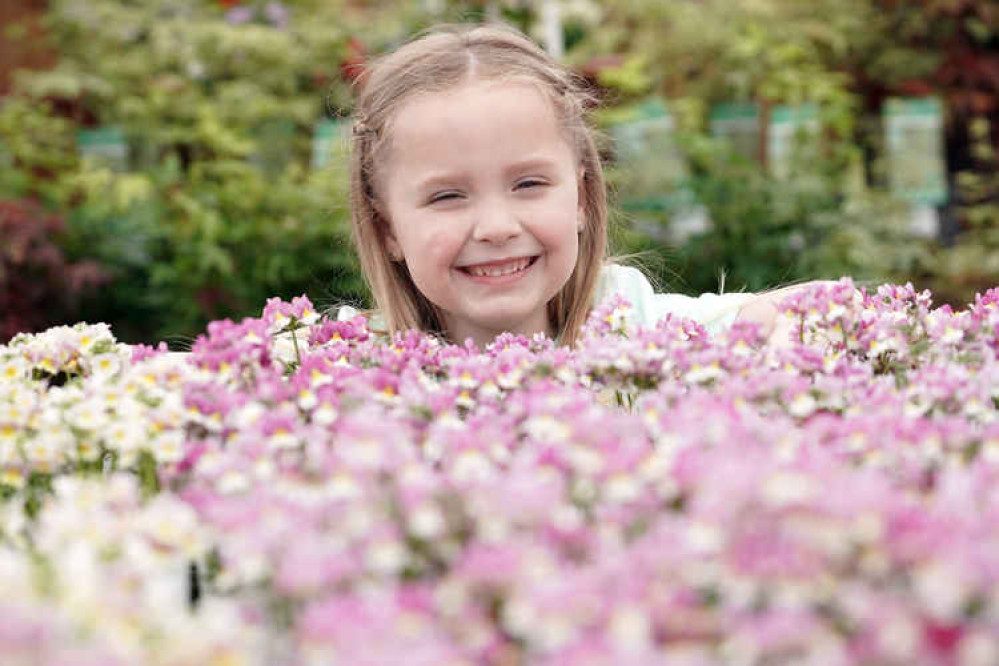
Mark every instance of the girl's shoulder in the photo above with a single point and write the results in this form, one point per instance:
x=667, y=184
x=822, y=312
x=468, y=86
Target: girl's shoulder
x=346, y=312
x=376, y=323
x=714, y=311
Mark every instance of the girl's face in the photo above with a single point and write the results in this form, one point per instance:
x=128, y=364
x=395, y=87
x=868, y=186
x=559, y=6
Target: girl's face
x=481, y=190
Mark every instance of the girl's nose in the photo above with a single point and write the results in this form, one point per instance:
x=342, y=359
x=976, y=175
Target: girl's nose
x=495, y=223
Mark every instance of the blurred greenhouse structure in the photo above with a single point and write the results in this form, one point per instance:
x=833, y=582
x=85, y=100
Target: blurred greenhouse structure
x=170, y=162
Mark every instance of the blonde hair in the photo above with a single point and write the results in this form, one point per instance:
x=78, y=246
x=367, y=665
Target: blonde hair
x=442, y=59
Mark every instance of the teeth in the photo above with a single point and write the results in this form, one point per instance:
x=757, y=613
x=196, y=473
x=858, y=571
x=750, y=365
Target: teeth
x=496, y=271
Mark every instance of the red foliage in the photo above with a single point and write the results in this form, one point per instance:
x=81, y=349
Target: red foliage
x=31, y=52
x=352, y=65
x=38, y=287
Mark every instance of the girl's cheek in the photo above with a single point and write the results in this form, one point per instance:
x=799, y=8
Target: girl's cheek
x=442, y=244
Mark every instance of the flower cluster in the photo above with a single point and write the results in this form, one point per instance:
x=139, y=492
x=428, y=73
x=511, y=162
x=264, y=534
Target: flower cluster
x=72, y=399
x=299, y=490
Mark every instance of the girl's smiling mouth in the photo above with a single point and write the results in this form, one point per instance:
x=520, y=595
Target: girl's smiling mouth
x=501, y=271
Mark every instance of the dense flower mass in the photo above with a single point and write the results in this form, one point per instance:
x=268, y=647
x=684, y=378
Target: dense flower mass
x=298, y=490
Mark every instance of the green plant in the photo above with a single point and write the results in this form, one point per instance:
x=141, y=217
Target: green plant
x=40, y=148
x=972, y=263
x=216, y=241
x=218, y=106
x=766, y=231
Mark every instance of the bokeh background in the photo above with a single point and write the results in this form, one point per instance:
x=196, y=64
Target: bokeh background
x=165, y=163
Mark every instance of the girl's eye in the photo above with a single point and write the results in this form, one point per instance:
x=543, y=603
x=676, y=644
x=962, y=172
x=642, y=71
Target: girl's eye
x=444, y=196
x=529, y=183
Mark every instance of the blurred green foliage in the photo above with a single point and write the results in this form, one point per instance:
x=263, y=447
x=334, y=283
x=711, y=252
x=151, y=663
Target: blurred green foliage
x=972, y=262
x=830, y=215
x=218, y=107
x=767, y=231
x=218, y=103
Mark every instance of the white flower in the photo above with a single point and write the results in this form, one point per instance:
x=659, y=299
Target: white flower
x=244, y=417
x=104, y=366
x=740, y=348
x=803, y=405
x=585, y=460
x=835, y=311
x=493, y=529
x=553, y=632
x=127, y=436
x=282, y=439
x=883, y=343
x=309, y=317
x=451, y=597
x=87, y=415
x=704, y=538
x=701, y=374
x=977, y=648
x=990, y=451
x=621, y=488
x=466, y=381
x=567, y=517
x=172, y=524
x=324, y=414
x=786, y=488
x=941, y=589
x=364, y=452
x=899, y=637
x=48, y=449
x=307, y=399
x=518, y=616
x=13, y=477
x=9, y=436
x=13, y=369
x=472, y=466
x=386, y=557
x=546, y=428
x=283, y=348
x=426, y=521
x=232, y=482
x=464, y=399
x=19, y=404
x=630, y=629
x=342, y=487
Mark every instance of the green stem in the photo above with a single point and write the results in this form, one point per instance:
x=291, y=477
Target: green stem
x=298, y=354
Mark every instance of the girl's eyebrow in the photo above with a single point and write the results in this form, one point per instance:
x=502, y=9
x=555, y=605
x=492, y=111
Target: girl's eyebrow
x=440, y=179
x=540, y=162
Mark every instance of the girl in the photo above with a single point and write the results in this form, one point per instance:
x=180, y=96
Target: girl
x=478, y=198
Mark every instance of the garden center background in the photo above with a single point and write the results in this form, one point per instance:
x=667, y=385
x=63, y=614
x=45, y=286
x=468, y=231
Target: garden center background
x=171, y=162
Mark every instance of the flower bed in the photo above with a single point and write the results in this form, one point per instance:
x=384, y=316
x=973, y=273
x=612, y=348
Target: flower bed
x=297, y=491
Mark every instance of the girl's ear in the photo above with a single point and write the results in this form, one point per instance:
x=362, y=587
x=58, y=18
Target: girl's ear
x=392, y=245
x=581, y=199
x=391, y=242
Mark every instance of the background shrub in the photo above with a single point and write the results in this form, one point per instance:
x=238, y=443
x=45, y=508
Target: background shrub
x=214, y=207
x=38, y=286
x=218, y=197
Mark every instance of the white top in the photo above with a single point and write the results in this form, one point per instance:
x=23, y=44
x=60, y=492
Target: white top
x=713, y=311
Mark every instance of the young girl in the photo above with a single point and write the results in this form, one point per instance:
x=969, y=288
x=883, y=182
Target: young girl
x=478, y=198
